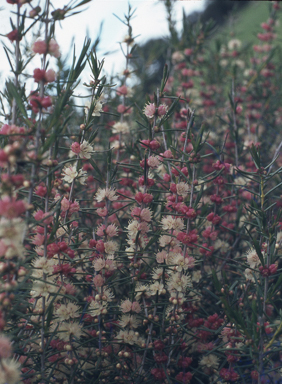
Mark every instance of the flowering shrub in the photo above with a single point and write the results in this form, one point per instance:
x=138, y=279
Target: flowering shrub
x=144, y=248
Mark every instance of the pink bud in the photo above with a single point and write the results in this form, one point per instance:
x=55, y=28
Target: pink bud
x=75, y=147
x=46, y=102
x=272, y=269
x=34, y=12
x=162, y=110
x=168, y=154
x=154, y=145
x=147, y=198
x=121, y=108
x=39, y=75
x=100, y=246
x=167, y=177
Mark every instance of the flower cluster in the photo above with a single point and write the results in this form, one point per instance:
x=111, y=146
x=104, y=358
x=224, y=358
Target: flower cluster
x=145, y=247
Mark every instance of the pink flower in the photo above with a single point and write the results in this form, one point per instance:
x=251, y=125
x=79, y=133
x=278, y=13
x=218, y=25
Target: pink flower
x=50, y=76
x=38, y=102
x=14, y=35
x=188, y=51
x=38, y=239
x=149, y=110
x=162, y=110
x=46, y=102
x=3, y=248
x=54, y=48
x=122, y=90
x=136, y=307
x=70, y=289
x=146, y=215
x=40, y=47
x=39, y=75
x=111, y=230
x=126, y=306
x=100, y=230
x=10, y=208
x=41, y=190
x=98, y=281
x=74, y=207
x=42, y=75
x=102, y=212
x=65, y=204
x=3, y=157
x=121, y=108
x=5, y=347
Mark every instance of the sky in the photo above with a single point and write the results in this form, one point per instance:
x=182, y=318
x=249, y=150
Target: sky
x=149, y=21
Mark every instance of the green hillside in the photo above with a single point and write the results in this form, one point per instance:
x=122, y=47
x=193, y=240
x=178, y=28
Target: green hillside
x=245, y=24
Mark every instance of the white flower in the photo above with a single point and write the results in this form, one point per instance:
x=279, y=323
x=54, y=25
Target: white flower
x=85, y=150
x=11, y=232
x=177, y=57
x=99, y=264
x=103, y=194
x=178, y=282
x=222, y=245
x=82, y=177
x=43, y=265
x=209, y=361
x=120, y=127
x=69, y=173
x=68, y=330
x=133, y=228
x=140, y=289
x=153, y=162
x=161, y=257
x=110, y=247
x=252, y=258
x=41, y=288
x=182, y=189
x=196, y=276
x=249, y=275
x=127, y=337
x=157, y=273
x=240, y=63
x=129, y=320
x=180, y=262
x=234, y=44
x=10, y=372
x=155, y=287
x=98, y=108
x=223, y=62
x=168, y=223
x=96, y=307
x=67, y=311
x=168, y=240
